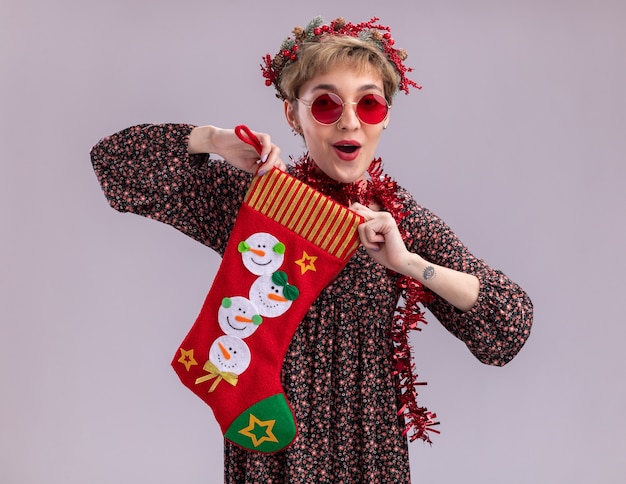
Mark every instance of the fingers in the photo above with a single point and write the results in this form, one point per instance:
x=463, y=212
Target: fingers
x=374, y=242
x=271, y=160
x=270, y=155
x=370, y=237
x=362, y=210
x=372, y=230
x=378, y=227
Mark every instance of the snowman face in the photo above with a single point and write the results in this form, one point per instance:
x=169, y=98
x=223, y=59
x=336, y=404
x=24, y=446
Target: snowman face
x=231, y=354
x=237, y=316
x=262, y=253
x=269, y=297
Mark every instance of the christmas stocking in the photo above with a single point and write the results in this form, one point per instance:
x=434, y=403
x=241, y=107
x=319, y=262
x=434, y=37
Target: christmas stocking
x=288, y=243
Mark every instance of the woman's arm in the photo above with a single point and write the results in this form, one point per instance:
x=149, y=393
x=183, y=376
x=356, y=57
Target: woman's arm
x=147, y=170
x=381, y=237
x=226, y=144
x=478, y=304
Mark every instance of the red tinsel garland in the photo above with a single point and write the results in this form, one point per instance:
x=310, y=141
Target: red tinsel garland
x=383, y=190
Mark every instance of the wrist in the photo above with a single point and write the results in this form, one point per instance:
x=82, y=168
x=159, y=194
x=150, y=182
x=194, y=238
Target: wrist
x=422, y=270
x=200, y=140
x=413, y=266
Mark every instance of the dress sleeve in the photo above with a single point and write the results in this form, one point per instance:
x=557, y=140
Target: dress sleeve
x=146, y=170
x=499, y=323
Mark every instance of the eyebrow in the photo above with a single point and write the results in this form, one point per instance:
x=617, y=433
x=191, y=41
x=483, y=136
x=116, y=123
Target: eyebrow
x=332, y=87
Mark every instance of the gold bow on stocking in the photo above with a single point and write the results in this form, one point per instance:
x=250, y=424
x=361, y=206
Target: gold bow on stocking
x=214, y=372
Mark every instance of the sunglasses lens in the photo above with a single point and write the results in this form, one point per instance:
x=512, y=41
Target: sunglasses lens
x=372, y=108
x=327, y=108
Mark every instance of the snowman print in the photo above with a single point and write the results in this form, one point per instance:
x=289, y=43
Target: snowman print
x=272, y=295
x=230, y=354
x=262, y=253
x=238, y=317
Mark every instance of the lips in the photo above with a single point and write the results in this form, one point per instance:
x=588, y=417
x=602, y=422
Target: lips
x=347, y=150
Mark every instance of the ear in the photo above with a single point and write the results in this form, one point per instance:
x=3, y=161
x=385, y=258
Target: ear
x=291, y=115
x=243, y=246
x=279, y=248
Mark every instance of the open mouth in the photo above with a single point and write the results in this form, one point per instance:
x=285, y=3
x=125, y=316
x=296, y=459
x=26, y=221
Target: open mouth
x=347, y=148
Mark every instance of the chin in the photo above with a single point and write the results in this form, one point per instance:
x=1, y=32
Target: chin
x=347, y=176
x=351, y=178
x=343, y=172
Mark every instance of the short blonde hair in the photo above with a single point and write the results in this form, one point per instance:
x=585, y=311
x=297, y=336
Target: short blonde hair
x=319, y=57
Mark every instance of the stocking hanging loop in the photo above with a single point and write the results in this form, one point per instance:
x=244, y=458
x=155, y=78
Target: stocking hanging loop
x=247, y=136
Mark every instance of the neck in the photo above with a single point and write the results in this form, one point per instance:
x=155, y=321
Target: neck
x=345, y=193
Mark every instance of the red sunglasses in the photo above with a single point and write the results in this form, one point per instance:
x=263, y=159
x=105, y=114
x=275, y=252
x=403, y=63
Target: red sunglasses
x=328, y=108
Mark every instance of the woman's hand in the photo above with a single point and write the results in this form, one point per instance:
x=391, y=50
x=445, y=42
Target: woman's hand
x=225, y=143
x=381, y=238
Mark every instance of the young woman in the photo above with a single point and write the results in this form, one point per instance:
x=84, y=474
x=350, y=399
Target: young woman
x=347, y=371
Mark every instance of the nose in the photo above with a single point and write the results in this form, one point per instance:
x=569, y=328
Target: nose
x=276, y=297
x=349, y=119
x=258, y=252
x=224, y=350
x=242, y=319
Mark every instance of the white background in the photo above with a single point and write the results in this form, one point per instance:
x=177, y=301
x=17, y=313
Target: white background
x=518, y=140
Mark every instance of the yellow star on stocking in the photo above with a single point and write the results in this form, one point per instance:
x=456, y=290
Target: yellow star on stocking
x=187, y=359
x=307, y=262
x=268, y=425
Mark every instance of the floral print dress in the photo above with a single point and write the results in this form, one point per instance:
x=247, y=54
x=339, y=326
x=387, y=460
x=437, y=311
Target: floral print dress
x=337, y=371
